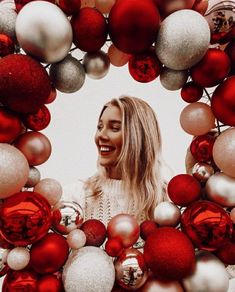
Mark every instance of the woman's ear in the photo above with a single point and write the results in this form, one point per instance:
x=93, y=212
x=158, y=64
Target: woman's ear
x=190, y=161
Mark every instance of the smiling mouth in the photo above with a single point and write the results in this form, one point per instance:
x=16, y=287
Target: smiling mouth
x=105, y=150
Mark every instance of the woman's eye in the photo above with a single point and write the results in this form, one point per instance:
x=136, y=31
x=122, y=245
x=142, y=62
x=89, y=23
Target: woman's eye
x=115, y=129
x=99, y=127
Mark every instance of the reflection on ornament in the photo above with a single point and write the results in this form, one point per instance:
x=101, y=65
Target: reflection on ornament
x=96, y=64
x=202, y=171
x=131, y=269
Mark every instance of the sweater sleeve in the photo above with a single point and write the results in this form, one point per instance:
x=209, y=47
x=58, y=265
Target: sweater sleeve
x=74, y=193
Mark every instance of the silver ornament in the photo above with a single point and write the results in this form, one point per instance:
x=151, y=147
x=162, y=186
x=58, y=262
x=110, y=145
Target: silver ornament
x=89, y=269
x=202, y=171
x=183, y=39
x=34, y=177
x=220, y=188
x=173, y=79
x=167, y=214
x=67, y=216
x=7, y=21
x=209, y=275
x=44, y=31
x=68, y=75
x=96, y=64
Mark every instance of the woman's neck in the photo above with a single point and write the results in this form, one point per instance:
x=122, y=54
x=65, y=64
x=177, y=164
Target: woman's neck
x=114, y=173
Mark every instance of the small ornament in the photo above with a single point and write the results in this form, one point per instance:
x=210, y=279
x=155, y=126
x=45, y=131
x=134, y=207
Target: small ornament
x=33, y=178
x=95, y=232
x=49, y=188
x=18, y=258
x=201, y=148
x=191, y=92
x=117, y=57
x=113, y=247
x=52, y=95
x=167, y=214
x=96, y=64
x=50, y=283
x=76, y=239
x=7, y=45
x=173, y=79
x=37, y=121
x=146, y=228
x=202, y=171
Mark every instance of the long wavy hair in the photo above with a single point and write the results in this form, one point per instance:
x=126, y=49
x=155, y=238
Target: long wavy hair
x=140, y=160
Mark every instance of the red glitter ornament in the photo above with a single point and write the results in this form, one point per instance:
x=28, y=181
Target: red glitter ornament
x=113, y=247
x=191, y=92
x=89, y=29
x=201, y=148
x=207, y=225
x=7, y=45
x=95, y=232
x=146, y=228
x=37, y=121
x=169, y=254
x=69, y=6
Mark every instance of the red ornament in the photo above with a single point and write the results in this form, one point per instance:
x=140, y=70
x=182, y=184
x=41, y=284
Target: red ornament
x=10, y=126
x=69, y=6
x=24, y=83
x=24, y=218
x=223, y=102
x=133, y=25
x=212, y=69
x=37, y=121
x=52, y=95
x=113, y=247
x=146, y=228
x=89, y=29
x=183, y=189
x=49, y=254
x=167, y=7
x=21, y=3
x=230, y=51
x=169, y=254
x=144, y=67
x=206, y=224
x=201, y=148
x=95, y=232
x=226, y=253
x=191, y=92
x=7, y=45
x=201, y=6
x=50, y=283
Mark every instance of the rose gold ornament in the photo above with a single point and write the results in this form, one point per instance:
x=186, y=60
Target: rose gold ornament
x=167, y=214
x=33, y=178
x=117, y=57
x=49, y=188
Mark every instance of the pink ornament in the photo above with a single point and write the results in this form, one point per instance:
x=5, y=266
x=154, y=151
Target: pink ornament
x=76, y=239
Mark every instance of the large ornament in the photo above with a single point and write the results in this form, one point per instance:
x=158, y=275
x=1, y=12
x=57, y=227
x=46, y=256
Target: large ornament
x=89, y=269
x=173, y=79
x=96, y=64
x=131, y=269
x=206, y=224
x=185, y=27
x=39, y=36
x=24, y=218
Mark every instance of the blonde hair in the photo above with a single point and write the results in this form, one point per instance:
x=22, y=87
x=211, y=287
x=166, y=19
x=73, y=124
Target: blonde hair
x=140, y=160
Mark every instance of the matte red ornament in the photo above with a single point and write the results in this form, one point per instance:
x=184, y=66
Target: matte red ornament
x=213, y=68
x=207, y=225
x=10, y=125
x=95, y=232
x=144, y=67
x=49, y=254
x=7, y=45
x=89, y=29
x=113, y=247
x=169, y=254
x=69, y=6
x=24, y=83
x=37, y=121
x=183, y=189
x=50, y=283
x=201, y=148
x=133, y=25
x=223, y=102
x=191, y=92
x=24, y=218
x=146, y=228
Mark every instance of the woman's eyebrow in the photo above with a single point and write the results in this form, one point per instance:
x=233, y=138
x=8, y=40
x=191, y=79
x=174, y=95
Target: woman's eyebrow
x=115, y=121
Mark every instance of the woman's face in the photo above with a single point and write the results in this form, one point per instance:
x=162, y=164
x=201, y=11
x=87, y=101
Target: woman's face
x=108, y=138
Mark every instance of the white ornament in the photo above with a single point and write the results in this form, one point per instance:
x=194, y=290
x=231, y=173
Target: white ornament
x=18, y=258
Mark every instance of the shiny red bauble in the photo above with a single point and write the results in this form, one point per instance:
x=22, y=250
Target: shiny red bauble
x=89, y=29
x=24, y=218
x=50, y=283
x=223, y=102
x=95, y=232
x=113, y=247
x=201, y=148
x=183, y=189
x=69, y=6
x=169, y=254
x=37, y=121
x=24, y=83
x=191, y=92
x=212, y=69
x=7, y=45
x=10, y=126
x=49, y=254
x=207, y=225
x=133, y=25
x=146, y=228
x=144, y=67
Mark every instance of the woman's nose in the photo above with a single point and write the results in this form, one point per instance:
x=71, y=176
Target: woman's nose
x=103, y=135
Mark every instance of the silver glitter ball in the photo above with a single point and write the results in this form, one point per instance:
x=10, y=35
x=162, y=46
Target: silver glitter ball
x=89, y=269
x=173, y=79
x=34, y=177
x=183, y=39
x=68, y=75
x=96, y=64
x=7, y=21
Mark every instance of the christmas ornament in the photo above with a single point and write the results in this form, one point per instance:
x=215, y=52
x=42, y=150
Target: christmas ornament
x=67, y=216
x=169, y=254
x=68, y=75
x=113, y=247
x=14, y=170
x=89, y=29
x=146, y=228
x=167, y=214
x=24, y=218
x=201, y=147
x=96, y=64
x=173, y=79
x=95, y=232
x=169, y=6
x=200, y=6
x=133, y=25
x=104, y=6
x=33, y=178
x=131, y=269
x=29, y=94
x=209, y=275
x=39, y=36
x=202, y=171
x=230, y=51
x=49, y=254
x=117, y=57
x=89, y=269
x=172, y=34
x=49, y=188
x=76, y=239
x=3, y=264
x=206, y=224
x=50, y=283
x=35, y=146
x=69, y=7
x=226, y=253
x=153, y=284
x=7, y=45
x=37, y=121
x=7, y=21
x=191, y=92
x=124, y=227
x=18, y=258
x=52, y=96
x=192, y=114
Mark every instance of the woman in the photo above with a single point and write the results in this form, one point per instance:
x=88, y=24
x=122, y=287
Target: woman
x=129, y=178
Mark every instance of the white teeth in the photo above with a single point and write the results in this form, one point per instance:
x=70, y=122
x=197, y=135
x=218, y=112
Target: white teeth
x=102, y=148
